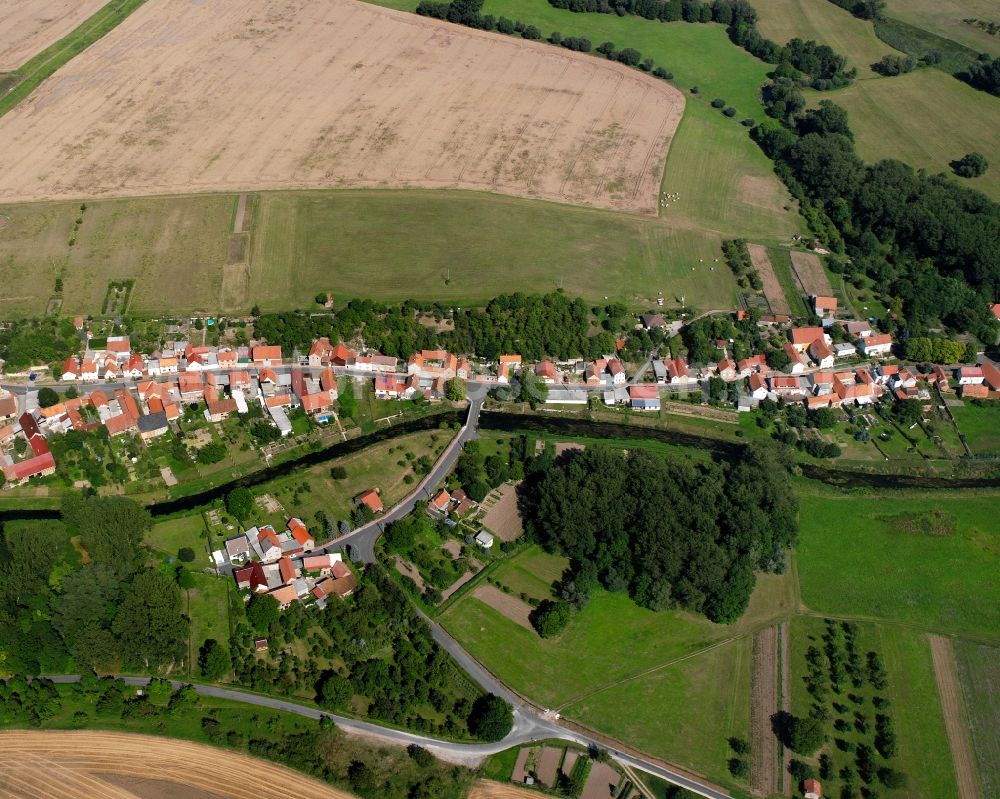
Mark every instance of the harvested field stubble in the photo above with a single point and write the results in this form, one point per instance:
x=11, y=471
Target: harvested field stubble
x=772, y=287
x=185, y=97
x=809, y=270
x=69, y=764
x=29, y=26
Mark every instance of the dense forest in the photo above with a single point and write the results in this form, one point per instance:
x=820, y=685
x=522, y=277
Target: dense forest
x=534, y=326
x=371, y=655
x=108, y=611
x=672, y=532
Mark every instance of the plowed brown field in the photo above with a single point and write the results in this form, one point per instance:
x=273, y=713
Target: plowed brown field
x=236, y=95
x=82, y=765
x=29, y=26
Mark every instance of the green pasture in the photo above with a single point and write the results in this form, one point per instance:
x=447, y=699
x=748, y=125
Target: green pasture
x=860, y=554
x=979, y=673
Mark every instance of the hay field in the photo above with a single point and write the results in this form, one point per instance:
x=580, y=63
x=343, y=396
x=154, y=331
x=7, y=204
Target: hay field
x=29, y=26
x=925, y=118
x=85, y=764
x=821, y=20
x=219, y=95
x=944, y=17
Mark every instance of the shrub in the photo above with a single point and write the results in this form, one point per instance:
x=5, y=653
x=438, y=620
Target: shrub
x=748, y=122
x=491, y=718
x=695, y=90
x=971, y=165
x=185, y=554
x=718, y=102
x=730, y=112
x=550, y=617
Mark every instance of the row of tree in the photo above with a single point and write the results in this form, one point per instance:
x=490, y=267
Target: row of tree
x=669, y=532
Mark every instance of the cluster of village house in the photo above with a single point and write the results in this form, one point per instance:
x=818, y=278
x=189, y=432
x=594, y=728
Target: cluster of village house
x=265, y=561
x=228, y=380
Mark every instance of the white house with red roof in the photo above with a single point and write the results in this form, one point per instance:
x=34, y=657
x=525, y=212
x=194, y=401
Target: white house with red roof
x=824, y=306
x=970, y=375
x=875, y=345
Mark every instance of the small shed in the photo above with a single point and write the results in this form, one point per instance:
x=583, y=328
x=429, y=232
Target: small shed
x=484, y=539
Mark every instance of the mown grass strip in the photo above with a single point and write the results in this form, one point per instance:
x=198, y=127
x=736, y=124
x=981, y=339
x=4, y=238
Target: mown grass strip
x=31, y=74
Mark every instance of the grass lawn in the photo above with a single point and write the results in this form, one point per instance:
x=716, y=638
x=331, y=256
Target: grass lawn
x=944, y=17
x=377, y=466
x=684, y=712
x=309, y=241
x=980, y=424
x=858, y=555
x=184, y=531
x=208, y=608
x=593, y=647
x=923, y=752
x=912, y=118
x=979, y=671
x=826, y=23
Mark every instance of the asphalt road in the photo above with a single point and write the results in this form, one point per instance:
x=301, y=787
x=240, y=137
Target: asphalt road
x=527, y=728
x=362, y=540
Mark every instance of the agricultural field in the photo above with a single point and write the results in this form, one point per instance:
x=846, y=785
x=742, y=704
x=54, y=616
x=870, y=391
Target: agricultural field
x=979, y=675
x=121, y=765
x=684, y=712
x=913, y=118
x=946, y=18
x=922, y=742
x=529, y=120
x=827, y=23
x=393, y=245
x=590, y=648
x=928, y=560
x=30, y=26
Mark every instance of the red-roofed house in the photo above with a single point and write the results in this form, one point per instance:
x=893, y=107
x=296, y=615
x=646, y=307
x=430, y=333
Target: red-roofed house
x=266, y=356
x=285, y=595
x=71, y=369
x=315, y=403
x=341, y=355
x=811, y=789
x=88, y=370
x=758, y=390
x=441, y=501
x=301, y=534
x=320, y=352
x=8, y=407
x=824, y=305
x=286, y=569
x=821, y=354
x=192, y=386
x=969, y=375
x=121, y=423
x=371, y=500
x=644, y=398
x=996, y=310
x=991, y=375
x=546, y=371
x=797, y=363
x=802, y=337
x=974, y=391
x=41, y=465
x=875, y=344
x=752, y=364
x=320, y=563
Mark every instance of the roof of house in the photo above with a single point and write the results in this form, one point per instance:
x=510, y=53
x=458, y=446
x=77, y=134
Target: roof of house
x=819, y=350
x=266, y=353
x=341, y=586
x=877, y=339
x=370, y=499
x=317, y=562
x=805, y=335
x=756, y=381
x=992, y=375
x=825, y=303
x=253, y=574
x=440, y=502
x=316, y=402
x=278, y=400
x=970, y=371
x=976, y=391
x=29, y=467
x=546, y=369
x=120, y=423
x=286, y=569
x=285, y=594
x=643, y=392
x=996, y=310
x=152, y=422
x=299, y=532
x=327, y=380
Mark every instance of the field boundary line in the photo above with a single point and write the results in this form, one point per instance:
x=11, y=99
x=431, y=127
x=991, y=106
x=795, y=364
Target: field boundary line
x=953, y=708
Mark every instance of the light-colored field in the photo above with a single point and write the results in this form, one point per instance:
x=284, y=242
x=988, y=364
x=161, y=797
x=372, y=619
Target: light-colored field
x=510, y=606
x=763, y=705
x=809, y=271
x=29, y=26
x=504, y=518
x=950, y=692
x=66, y=765
x=772, y=286
x=912, y=118
x=488, y=789
x=243, y=95
x=944, y=17
x=821, y=20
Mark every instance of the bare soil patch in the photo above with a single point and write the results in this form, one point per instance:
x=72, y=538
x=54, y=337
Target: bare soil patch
x=568, y=446
x=452, y=547
x=488, y=789
x=601, y=783
x=451, y=589
x=503, y=518
x=521, y=765
x=78, y=764
x=548, y=765
x=809, y=272
x=407, y=569
x=784, y=631
x=29, y=26
x=569, y=761
x=764, y=704
x=237, y=95
x=772, y=288
x=510, y=606
x=143, y=788
x=949, y=689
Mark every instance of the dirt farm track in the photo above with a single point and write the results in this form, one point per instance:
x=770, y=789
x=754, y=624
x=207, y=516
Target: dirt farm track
x=111, y=765
x=231, y=95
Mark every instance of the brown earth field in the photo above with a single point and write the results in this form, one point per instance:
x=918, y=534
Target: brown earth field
x=29, y=26
x=772, y=287
x=510, y=606
x=764, y=704
x=84, y=764
x=957, y=725
x=488, y=789
x=236, y=95
x=809, y=270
